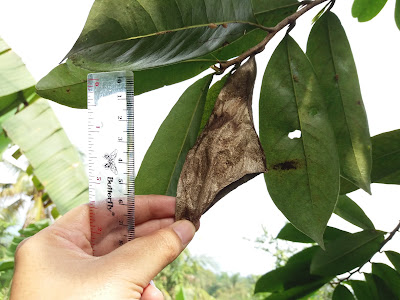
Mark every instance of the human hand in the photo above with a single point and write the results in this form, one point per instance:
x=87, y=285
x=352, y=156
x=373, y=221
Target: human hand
x=58, y=262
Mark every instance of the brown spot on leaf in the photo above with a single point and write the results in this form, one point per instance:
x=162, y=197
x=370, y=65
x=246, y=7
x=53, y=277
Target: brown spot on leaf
x=225, y=25
x=358, y=102
x=225, y=44
x=213, y=25
x=287, y=165
x=295, y=78
x=68, y=91
x=337, y=77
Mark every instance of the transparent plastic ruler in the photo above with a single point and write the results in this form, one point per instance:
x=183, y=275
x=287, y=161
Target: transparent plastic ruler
x=111, y=159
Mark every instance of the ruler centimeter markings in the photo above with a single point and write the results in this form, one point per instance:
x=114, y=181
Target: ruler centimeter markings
x=111, y=167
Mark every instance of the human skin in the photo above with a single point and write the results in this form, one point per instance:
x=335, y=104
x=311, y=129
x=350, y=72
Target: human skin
x=58, y=262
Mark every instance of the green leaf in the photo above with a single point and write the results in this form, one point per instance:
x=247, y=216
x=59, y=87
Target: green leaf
x=361, y=289
x=16, y=83
x=378, y=287
x=14, y=76
x=55, y=160
x=298, y=291
x=330, y=53
x=290, y=100
x=162, y=164
x=394, y=258
x=269, y=13
x=369, y=278
x=212, y=96
x=386, y=157
x=291, y=233
x=389, y=276
x=397, y=13
x=135, y=35
x=28, y=231
x=66, y=84
x=304, y=256
x=295, y=272
x=6, y=264
x=385, y=161
x=342, y=293
x=351, y=212
x=347, y=253
x=181, y=294
x=366, y=10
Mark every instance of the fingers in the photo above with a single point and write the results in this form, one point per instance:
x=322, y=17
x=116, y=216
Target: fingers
x=143, y=258
x=152, y=212
x=152, y=293
x=150, y=207
x=151, y=226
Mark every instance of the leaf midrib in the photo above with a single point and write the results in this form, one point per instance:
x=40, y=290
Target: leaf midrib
x=341, y=102
x=161, y=33
x=300, y=123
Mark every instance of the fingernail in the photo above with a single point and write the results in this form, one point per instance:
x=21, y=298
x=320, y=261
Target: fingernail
x=185, y=230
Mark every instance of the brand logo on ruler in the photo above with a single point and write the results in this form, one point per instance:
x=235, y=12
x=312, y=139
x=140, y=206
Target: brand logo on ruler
x=111, y=161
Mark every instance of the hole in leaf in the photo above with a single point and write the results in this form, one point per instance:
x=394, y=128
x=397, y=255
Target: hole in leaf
x=294, y=134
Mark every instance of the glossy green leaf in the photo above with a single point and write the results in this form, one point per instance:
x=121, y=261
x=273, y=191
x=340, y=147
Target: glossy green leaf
x=298, y=291
x=369, y=279
x=394, y=258
x=347, y=253
x=163, y=162
x=389, y=276
x=135, y=35
x=290, y=100
x=397, y=14
x=291, y=233
x=55, y=160
x=296, y=272
x=361, y=290
x=66, y=84
x=212, y=96
x=330, y=53
x=365, y=10
x=385, y=161
x=351, y=212
x=378, y=287
x=271, y=12
x=342, y=293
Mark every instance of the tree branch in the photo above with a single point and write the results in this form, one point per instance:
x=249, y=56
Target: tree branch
x=290, y=20
x=390, y=236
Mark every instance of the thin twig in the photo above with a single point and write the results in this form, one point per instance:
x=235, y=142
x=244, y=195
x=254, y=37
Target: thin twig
x=390, y=236
x=307, y=5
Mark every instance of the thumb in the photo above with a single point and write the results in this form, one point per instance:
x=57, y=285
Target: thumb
x=143, y=258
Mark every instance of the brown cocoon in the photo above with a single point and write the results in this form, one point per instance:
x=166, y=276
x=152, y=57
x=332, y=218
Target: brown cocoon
x=227, y=153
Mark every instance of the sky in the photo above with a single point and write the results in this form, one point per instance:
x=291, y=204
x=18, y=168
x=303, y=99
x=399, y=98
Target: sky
x=43, y=31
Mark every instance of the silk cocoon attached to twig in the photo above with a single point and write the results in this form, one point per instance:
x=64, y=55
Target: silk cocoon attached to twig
x=227, y=153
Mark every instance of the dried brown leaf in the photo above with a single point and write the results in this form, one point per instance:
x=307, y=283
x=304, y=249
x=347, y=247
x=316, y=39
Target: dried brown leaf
x=227, y=153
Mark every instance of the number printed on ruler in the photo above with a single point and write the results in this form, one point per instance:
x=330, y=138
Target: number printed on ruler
x=111, y=156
